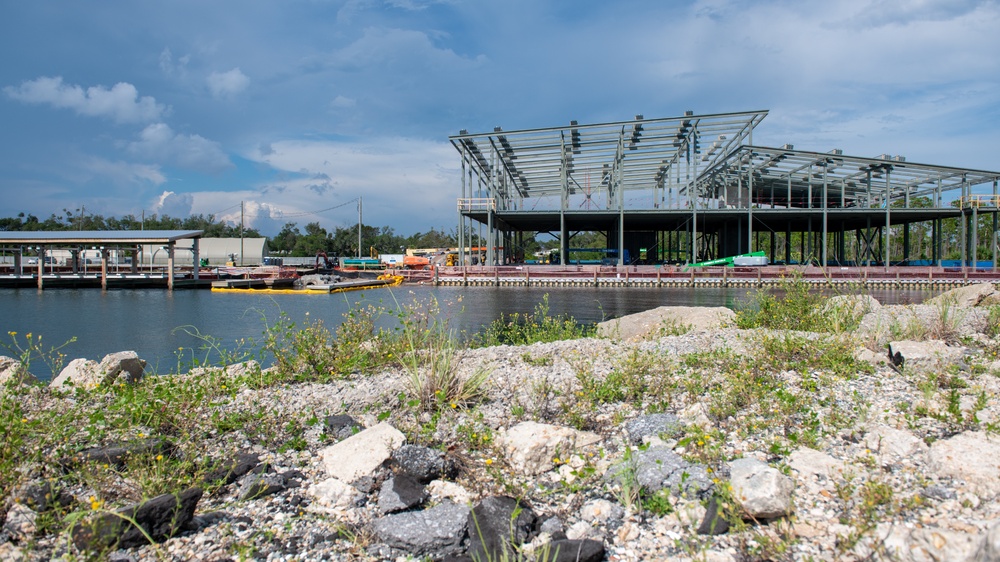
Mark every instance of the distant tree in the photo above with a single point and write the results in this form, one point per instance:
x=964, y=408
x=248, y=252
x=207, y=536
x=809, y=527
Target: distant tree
x=285, y=241
x=316, y=239
x=431, y=239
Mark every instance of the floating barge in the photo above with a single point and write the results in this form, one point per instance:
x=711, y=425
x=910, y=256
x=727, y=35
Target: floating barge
x=257, y=286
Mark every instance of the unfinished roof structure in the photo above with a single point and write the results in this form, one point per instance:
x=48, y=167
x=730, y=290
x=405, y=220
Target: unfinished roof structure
x=696, y=186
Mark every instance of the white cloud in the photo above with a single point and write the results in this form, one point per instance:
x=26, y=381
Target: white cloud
x=224, y=85
x=124, y=173
x=265, y=217
x=174, y=204
x=158, y=142
x=380, y=48
x=407, y=183
x=121, y=102
x=169, y=67
x=342, y=102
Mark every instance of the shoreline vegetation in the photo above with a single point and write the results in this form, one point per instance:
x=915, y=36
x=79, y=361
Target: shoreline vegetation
x=801, y=426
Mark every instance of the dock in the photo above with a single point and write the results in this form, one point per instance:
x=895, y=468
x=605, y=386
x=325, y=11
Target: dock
x=873, y=277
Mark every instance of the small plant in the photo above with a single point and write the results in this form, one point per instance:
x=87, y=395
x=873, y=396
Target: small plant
x=628, y=492
x=435, y=379
x=539, y=361
x=32, y=350
x=539, y=326
x=792, y=305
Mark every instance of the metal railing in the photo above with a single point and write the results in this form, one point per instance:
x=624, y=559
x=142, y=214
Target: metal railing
x=978, y=201
x=466, y=205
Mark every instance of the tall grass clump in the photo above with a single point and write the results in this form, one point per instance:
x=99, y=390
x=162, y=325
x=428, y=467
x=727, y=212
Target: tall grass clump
x=432, y=363
x=792, y=305
x=535, y=327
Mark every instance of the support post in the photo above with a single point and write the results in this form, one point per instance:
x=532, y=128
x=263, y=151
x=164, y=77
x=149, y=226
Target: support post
x=197, y=260
x=170, y=266
x=104, y=269
x=41, y=266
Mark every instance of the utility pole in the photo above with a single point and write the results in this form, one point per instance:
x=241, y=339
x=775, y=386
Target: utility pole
x=359, y=228
x=241, y=233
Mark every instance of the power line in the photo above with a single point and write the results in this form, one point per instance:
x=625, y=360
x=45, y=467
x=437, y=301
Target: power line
x=304, y=213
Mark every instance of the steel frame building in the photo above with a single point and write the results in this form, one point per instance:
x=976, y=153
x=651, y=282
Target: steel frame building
x=697, y=187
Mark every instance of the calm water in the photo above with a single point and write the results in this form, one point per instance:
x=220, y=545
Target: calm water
x=161, y=326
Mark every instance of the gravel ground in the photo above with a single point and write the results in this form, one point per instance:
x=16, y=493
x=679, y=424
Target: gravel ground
x=936, y=513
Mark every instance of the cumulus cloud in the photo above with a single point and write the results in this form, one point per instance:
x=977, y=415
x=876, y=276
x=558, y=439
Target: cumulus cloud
x=265, y=217
x=396, y=176
x=174, y=204
x=193, y=152
x=224, y=85
x=121, y=102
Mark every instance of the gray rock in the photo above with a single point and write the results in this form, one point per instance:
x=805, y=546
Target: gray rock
x=553, y=526
x=601, y=511
x=713, y=523
x=78, y=372
x=497, y=525
x=989, y=548
x=423, y=463
x=531, y=446
x=161, y=518
x=360, y=455
x=659, y=468
x=982, y=294
x=116, y=455
x=20, y=522
x=567, y=550
x=938, y=493
x=665, y=319
x=400, y=493
x=763, y=492
x=436, y=532
x=229, y=472
x=124, y=365
x=970, y=457
x=13, y=372
x=260, y=485
x=44, y=496
x=341, y=426
x=653, y=425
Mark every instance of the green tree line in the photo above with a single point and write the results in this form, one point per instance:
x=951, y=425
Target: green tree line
x=70, y=220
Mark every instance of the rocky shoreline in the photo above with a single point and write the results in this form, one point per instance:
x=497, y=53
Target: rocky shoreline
x=673, y=436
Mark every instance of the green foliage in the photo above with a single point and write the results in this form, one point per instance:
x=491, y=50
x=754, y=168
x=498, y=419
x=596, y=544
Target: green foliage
x=791, y=305
x=434, y=376
x=539, y=326
x=31, y=350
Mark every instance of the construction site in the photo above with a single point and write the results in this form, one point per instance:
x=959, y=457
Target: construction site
x=669, y=193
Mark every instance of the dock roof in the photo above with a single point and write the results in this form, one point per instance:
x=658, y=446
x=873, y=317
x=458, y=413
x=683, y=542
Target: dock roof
x=102, y=237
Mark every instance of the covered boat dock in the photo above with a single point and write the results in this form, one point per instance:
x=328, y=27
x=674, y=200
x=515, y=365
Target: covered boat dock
x=38, y=249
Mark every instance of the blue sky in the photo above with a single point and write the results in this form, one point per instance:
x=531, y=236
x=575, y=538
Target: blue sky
x=298, y=106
